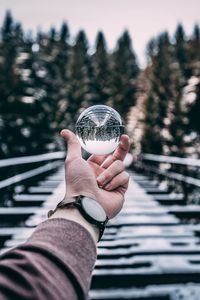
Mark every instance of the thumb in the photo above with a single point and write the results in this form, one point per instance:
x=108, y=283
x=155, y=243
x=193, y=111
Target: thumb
x=74, y=147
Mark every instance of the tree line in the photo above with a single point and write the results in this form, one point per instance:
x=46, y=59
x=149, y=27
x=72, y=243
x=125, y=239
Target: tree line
x=46, y=81
x=171, y=105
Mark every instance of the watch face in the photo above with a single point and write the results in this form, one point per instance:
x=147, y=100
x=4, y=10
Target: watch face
x=93, y=209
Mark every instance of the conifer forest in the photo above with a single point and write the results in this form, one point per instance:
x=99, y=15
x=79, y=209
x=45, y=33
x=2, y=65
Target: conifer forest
x=47, y=80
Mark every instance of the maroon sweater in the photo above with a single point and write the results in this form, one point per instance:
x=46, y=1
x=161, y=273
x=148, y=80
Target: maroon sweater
x=55, y=263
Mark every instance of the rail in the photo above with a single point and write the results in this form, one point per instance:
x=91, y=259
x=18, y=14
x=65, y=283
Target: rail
x=182, y=173
x=192, y=162
x=53, y=162
x=31, y=159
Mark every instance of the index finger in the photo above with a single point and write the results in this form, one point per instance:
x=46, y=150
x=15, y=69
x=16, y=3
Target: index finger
x=120, y=152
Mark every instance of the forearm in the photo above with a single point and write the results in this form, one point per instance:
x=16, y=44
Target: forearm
x=74, y=215
x=55, y=262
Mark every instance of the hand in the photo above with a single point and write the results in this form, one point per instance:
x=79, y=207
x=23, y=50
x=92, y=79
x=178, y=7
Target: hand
x=100, y=177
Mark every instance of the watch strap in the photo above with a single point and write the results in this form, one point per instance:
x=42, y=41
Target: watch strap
x=76, y=203
x=65, y=202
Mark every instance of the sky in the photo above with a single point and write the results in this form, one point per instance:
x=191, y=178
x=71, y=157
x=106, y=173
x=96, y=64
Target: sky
x=143, y=18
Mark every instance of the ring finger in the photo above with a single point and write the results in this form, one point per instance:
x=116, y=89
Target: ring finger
x=119, y=180
x=114, y=169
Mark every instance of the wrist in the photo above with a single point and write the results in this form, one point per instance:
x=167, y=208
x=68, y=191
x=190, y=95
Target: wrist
x=73, y=214
x=90, y=214
x=93, y=194
x=90, y=194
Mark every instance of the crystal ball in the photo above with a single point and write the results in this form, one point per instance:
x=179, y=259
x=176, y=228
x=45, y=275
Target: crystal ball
x=98, y=129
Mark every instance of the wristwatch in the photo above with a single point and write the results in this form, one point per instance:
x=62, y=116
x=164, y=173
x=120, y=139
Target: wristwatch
x=89, y=208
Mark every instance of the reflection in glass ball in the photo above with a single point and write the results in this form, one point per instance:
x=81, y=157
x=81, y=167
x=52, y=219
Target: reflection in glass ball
x=98, y=129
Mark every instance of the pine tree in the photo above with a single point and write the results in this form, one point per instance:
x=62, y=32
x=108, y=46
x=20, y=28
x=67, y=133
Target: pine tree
x=194, y=111
x=61, y=61
x=79, y=93
x=151, y=50
x=163, y=77
x=194, y=49
x=181, y=51
x=165, y=119
x=177, y=119
x=151, y=141
x=12, y=109
x=37, y=94
x=52, y=83
x=159, y=95
x=62, y=57
x=196, y=33
x=124, y=74
x=8, y=79
x=102, y=72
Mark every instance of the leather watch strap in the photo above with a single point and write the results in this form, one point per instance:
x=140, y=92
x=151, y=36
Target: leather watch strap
x=75, y=203
x=62, y=204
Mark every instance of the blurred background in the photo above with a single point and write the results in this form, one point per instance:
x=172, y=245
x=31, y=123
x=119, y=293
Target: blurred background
x=140, y=57
x=143, y=59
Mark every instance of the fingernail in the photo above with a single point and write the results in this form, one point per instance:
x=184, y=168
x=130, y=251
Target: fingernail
x=107, y=162
x=108, y=186
x=101, y=178
x=62, y=132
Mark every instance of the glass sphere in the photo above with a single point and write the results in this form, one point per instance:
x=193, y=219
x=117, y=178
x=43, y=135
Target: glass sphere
x=98, y=129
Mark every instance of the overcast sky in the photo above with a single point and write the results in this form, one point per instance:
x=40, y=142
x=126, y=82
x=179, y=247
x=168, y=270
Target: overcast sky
x=143, y=18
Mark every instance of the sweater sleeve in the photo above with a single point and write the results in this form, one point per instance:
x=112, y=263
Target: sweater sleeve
x=55, y=263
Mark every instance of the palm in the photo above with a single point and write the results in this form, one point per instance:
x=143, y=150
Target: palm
x=81, y=180
x=108, y=197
